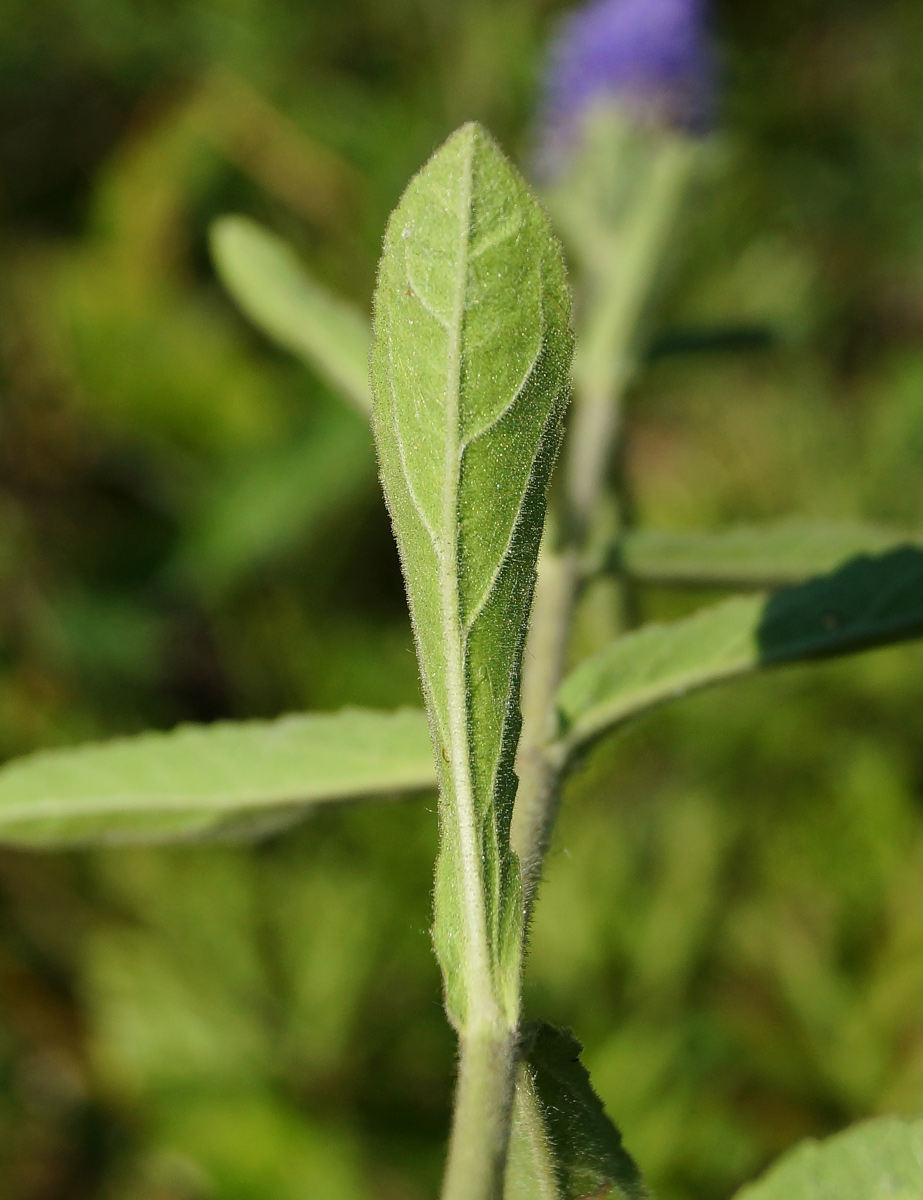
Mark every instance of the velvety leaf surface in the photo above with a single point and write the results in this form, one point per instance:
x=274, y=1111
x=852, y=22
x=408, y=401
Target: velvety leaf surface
x=868, y=602
x=276, y=291
x=751, y=556
x=878, y=1160
x=208, y=780
x=563, y=1145
x=470, y=373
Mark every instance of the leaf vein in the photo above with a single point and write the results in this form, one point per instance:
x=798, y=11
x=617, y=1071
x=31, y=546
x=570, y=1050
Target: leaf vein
x=417, y=292
x=520, y=389
x=482, y=603
x=399, y=442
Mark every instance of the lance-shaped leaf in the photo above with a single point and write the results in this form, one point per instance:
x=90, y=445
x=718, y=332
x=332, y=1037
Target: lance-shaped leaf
x=470, y=373
x=563, y=1145
x=869, y=602
x=774, y=554
x=276, y=291
x=211, y=780
x=877, y=1160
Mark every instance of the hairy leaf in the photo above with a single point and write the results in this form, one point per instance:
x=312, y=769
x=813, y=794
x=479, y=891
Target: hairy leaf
x=208, y=780
x=563, y=1145
x=750, y=556
x=276, y=291
x=869, y=602
x=877, y=1160
x=470, y=374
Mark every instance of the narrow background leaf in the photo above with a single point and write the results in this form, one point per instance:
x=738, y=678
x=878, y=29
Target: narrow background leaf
x=751, y=556
x=204, y=780
x=277, y=292
x=869, y=602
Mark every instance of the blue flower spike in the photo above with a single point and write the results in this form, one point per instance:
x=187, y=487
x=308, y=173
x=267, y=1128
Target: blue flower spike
x=653, y=59
x=630, y=92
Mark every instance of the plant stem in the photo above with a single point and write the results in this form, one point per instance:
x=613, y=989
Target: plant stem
x=483, y=1108
x=593, y=433
x=620, y=282
x=546, y=656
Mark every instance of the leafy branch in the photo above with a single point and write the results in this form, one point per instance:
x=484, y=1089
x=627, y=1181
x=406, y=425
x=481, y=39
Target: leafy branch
x=471, y=361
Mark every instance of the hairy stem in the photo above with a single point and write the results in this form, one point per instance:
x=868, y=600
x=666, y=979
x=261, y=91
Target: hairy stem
x=483, y=1108
x=620, y=283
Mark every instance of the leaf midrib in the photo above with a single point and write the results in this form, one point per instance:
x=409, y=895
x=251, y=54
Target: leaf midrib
x=128, y=803
x=479, y=972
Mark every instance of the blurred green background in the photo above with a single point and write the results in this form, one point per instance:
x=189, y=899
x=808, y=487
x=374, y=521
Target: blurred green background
x=190, y=529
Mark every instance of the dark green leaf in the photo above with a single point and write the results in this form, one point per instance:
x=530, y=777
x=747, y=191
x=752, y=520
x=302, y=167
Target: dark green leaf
x=869, y=602
x=563, y=1145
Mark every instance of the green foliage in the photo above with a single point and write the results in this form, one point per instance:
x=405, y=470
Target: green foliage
x=868, y=602
x=563, y=1146
x=880, y=1160
x=470, y=372
x=770, y=555
x=230, y=778
x=276, y=291
x=738, y=984
x=268, y=505
x=769, y=928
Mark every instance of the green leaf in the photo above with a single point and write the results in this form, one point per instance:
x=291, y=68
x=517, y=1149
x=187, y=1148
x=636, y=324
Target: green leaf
x=470, y=374
x=208, y=780
x=750, y=556
x=276, y=291
x=563, y=1145
x=869, y=602
x=877, y=1160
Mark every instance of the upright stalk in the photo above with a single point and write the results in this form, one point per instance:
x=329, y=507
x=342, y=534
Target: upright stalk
x=481, y=1125
x=619, y=281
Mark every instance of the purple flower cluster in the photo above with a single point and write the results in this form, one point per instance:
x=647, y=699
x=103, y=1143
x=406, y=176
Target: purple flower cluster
x=654, y=57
